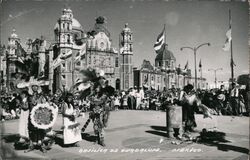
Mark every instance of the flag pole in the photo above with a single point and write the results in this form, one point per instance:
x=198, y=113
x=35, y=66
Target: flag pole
x=165, y=42
x=200, y=66
x=232, y=61
x=165, y=36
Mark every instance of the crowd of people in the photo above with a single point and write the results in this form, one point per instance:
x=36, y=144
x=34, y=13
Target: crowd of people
x=222, y=101
x=101, y=99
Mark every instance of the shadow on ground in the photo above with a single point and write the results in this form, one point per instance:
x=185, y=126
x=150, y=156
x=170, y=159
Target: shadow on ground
x=218, y=139
x=209, y=138
x=10, y=138
x=227, y=147
x=85, y=136
x=14, y=138
x=157, y=130
x=88, y=137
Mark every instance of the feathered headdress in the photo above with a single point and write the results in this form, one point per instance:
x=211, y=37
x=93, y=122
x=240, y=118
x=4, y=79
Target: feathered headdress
x=32, y=82
x=63, y=94
x=28, y=68
x=90, y=78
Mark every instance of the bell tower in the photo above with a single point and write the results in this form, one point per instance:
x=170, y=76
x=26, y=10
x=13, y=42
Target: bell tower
x=11, y=57
x=126, y=54
x=64, y=40
x=12, y=43
x=65, y=28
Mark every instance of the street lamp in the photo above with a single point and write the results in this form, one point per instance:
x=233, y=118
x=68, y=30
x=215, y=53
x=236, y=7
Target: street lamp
x=215, y=78
x=194, y=49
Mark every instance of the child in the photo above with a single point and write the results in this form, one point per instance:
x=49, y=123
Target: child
x=117, y=102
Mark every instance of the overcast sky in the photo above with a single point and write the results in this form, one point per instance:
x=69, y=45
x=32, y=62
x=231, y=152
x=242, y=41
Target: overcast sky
x=187, y=24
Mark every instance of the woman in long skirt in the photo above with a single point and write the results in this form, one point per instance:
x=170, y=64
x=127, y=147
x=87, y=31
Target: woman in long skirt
x=71, y=131
x=24, y=117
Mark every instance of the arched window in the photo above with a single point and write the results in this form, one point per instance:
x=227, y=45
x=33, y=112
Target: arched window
x=68, y=38
x=167, y=64
x=130, y=47
x=159, y=64
x=116, y=61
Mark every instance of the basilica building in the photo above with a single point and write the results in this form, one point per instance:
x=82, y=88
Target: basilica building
x=76, y=48
x=164, y=74
x=100, y=54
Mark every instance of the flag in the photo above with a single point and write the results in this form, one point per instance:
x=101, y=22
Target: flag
x=227, y=44
x=20, y=51
x=60, y=58
x=66, y=55
x=159, y=44
x=186, y=66
x=57, y=62
x=81, y=53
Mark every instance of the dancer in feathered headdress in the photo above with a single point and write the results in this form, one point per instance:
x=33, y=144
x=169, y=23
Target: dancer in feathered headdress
x=42, y=115
x=97, y=90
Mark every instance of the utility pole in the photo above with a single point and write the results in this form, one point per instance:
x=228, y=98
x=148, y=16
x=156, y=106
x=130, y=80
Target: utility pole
x=215, y=76
x=194, y=49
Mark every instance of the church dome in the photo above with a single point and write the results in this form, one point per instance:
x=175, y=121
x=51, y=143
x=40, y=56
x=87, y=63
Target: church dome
x=165, y=54
x=56, y=26
x=75, y=25
x=100, y=26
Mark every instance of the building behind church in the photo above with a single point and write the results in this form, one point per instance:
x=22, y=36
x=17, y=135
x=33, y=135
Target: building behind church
x=164, y=74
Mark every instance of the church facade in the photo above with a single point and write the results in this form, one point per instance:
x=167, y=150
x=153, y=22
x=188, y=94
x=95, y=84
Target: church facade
x=100, y=54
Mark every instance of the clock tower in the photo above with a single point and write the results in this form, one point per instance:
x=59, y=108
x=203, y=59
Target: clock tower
x=126, y=54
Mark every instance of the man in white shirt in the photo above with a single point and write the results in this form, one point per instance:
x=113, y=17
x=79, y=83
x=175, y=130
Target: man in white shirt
x=234, y=99
x=141, y=91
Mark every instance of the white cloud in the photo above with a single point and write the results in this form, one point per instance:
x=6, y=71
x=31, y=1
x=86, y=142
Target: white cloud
x=19, y=14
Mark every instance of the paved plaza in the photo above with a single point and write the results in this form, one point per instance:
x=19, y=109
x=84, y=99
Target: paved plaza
x=140, y=135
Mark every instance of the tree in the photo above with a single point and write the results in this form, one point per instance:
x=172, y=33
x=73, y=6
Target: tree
x=244, y=79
